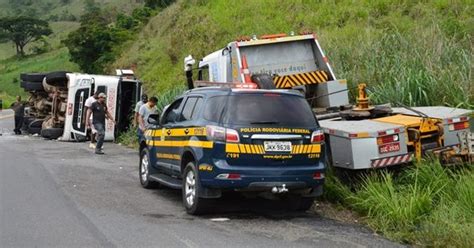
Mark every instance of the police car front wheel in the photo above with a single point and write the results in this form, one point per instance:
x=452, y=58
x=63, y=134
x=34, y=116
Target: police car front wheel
x=191, y=191
x=144, y=170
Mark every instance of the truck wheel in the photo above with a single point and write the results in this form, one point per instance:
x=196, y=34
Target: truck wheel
x=191, y=191
x=31, y=86
x=52, y=133
x=57, y=78
x=35, y=126
x=26, y=122
x=144, y=171
x=264, y=81
x=32, y=77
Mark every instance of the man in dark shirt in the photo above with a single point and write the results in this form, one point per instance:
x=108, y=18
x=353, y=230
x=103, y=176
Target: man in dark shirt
x=19, y=109
x=99, y=113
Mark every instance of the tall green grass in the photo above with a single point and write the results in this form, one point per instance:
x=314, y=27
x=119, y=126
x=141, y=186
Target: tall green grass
x=427, y=204
x=410, y=52
x=416, y=70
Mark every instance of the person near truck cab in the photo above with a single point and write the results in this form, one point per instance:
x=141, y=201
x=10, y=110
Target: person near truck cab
x=145, y=111
x=139, y=104
x=99, y=113
x=92, y=131
x=19, y=108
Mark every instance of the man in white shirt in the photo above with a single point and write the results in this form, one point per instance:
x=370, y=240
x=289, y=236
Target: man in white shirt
x=145, y=111
x=139, y=104
x=88, y=105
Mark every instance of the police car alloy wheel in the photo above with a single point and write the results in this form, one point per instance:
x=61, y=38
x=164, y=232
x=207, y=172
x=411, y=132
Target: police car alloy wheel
x=192, y=201
x=190, y=188
x=144, y=171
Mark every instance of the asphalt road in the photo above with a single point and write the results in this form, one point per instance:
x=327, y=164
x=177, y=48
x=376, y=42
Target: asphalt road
x=56, y=194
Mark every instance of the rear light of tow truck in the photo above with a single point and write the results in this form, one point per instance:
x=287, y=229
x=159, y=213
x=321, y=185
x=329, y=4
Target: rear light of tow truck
x=222, y=134
x=388, y=136
x=387, y=139
x=458, y=123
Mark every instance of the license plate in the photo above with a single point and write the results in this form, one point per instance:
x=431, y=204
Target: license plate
x=277, y=146
x=393, y=147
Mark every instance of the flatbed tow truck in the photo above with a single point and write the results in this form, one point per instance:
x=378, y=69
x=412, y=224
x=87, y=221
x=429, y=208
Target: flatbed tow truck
x=358, y=136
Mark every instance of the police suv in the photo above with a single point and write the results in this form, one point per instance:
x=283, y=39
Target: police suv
x=259, y=142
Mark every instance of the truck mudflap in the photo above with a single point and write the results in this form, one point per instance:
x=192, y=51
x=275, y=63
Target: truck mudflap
x=393, y=160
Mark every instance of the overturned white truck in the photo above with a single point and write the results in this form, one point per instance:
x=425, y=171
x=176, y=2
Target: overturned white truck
x=57, y=102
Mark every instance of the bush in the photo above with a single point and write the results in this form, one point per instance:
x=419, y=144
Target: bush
x=427, y=204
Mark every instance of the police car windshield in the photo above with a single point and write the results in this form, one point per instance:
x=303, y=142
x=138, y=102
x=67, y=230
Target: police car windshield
x=269, y=109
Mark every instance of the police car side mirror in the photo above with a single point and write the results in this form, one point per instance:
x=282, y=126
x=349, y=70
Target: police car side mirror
x=154, y=119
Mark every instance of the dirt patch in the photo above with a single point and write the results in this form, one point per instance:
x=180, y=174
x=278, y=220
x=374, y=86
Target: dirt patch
x=336, y=212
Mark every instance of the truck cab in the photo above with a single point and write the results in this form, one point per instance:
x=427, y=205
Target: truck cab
x=68, y=93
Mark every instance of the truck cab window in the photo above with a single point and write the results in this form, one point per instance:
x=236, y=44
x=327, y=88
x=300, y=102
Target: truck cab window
x=102, y=89
x=203, y=73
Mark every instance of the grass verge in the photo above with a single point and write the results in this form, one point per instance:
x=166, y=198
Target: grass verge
x=425, y=205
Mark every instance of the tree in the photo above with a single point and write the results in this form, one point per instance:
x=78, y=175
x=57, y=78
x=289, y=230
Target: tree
x=23, y=30
x=154, y=4
x=91, y=45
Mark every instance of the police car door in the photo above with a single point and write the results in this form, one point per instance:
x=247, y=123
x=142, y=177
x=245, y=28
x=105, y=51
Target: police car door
x=182, y=131
x=76, y=113
x=166, y=155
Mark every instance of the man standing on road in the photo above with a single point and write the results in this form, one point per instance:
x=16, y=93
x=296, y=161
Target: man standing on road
x=139, y=104
x=92, y=131
x=99, y=113
x=19, y=109
x=145, y=111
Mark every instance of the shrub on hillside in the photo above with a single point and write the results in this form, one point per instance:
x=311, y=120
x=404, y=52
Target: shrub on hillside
x=95, y=44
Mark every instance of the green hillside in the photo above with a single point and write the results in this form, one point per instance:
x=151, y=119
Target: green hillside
x=416, y=52
x=57, y=57
x=44, y=9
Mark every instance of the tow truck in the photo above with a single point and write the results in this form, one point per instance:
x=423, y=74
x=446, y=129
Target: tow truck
x=359, y=136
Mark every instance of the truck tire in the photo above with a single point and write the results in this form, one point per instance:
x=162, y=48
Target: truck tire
x=144, y=171
x=32, y=86
x=191, y=189
x=57, y=78
x=32, y=77
x=35, y=126
x=264, y=81
x=26, y=122
x=52, y=133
